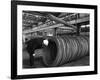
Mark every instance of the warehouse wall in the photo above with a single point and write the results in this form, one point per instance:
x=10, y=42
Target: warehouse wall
x=5, y=52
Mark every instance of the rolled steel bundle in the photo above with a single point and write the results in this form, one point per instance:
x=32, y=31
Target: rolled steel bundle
x=63, y=49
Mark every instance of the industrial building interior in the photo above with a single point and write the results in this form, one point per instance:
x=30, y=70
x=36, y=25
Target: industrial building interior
x=55, y=39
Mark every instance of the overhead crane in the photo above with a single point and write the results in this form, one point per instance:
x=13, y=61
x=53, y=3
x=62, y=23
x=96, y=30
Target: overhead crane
x=61, y=23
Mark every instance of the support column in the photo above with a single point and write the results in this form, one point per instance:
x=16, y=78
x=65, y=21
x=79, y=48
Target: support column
x=78, y=29
x=55, y=34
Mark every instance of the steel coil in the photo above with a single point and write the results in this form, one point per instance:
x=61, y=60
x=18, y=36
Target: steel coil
x=63, y=49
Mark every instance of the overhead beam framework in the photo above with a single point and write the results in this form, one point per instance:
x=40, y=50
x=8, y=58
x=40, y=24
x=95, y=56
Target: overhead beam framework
x=45, y=26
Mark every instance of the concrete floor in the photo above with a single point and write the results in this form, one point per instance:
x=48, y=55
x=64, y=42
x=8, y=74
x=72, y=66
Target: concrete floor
x=84, y=61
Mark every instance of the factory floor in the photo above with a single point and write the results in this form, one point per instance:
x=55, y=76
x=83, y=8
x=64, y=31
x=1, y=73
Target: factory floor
x=84, y=61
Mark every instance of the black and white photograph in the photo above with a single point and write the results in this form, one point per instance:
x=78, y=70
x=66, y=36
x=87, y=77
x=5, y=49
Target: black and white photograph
x=55, y=39
x=52, y=39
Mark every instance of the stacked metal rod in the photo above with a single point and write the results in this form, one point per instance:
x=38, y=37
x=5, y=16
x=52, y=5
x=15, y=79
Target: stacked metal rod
x=64, y=49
